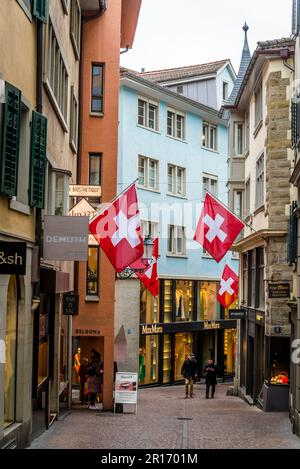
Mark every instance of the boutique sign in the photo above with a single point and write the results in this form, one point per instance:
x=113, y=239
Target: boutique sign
x=12, y=258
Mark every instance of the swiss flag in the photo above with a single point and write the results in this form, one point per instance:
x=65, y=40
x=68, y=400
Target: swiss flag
x=229, y=287
x=150, y=276
x=118, y=230
x=217, y=228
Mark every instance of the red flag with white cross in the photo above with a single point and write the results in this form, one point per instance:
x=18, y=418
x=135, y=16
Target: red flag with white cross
x=217, y=228
x=150, y=276
x=118, y=230
x=229, y=287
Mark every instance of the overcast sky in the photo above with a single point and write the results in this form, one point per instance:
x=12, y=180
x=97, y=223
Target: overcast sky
x=174, y=33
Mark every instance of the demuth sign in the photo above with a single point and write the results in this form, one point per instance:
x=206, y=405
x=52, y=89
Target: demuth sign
x=12, y=258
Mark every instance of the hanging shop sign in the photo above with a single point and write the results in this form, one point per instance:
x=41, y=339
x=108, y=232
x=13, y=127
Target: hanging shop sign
x=70, y=304
x=84, y=191
x=237, y=314
x=211, y=325
x=66, y=238
x=12, y=258
x=84, y=209
x=126, y=388
x=279, y=290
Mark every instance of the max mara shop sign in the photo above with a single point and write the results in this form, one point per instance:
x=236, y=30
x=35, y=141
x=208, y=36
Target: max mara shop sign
x=12, y=258
x=66, y=238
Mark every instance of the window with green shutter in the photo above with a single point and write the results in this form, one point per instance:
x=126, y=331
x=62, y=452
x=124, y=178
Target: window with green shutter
x=40, y=10
x=38, y=160
x=10, y=141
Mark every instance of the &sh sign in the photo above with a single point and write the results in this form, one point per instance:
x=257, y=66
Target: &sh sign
x=12, y=258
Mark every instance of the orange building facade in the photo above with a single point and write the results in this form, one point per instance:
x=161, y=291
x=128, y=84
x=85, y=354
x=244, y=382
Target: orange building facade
x=103, y=36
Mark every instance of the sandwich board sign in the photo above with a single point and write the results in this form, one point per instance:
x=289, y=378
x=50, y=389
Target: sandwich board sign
x=126, y=387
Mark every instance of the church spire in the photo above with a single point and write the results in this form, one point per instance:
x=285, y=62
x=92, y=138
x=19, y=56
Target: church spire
x=245, y=60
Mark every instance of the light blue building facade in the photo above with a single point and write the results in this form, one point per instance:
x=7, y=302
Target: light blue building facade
x=177, y=147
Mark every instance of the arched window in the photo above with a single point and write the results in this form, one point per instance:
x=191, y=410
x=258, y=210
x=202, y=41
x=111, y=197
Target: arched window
x=10, y=352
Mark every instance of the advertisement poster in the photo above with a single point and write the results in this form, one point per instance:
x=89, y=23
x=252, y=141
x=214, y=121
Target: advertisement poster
x=126, y=388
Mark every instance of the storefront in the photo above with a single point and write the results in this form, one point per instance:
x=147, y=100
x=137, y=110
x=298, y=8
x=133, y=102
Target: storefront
x=185, y=318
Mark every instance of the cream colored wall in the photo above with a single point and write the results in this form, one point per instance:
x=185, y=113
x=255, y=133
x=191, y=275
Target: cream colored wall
x=58, y=148
x=59, y=151
x=18, y=67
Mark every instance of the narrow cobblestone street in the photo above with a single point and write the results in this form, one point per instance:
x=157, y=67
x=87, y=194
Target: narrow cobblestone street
x=224, y=423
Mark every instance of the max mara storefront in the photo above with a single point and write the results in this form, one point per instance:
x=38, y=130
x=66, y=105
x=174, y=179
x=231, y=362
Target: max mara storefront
x=185, y=318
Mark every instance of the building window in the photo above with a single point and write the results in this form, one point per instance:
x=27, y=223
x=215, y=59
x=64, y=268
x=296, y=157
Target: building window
x=149, y=307
x=175, y=124
x=225, y=90
x=10, y=368
x=252, y=278
x=209, y=136
x=73, y=122
x=57, y=76
x=149, y=229
x=247, y=136
x=258, y=105
x=168, y=301
x=209, y=184
x=176, y=180
x=184, y=300
x=75, y=26
x=260, y=281
x=97, y=88
x=148, y=114
x=92, y=284
x=176, y=240
x=238, y=203
x=209, y=306
x=148, y=173
x=247, y=198
x=245, y=279
x=58, y=193
x=260, y=181
x=239, y=145
x=179, y=89
x=95, y=169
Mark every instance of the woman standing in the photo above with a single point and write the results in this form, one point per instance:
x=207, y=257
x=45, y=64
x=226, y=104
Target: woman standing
x=95, y=378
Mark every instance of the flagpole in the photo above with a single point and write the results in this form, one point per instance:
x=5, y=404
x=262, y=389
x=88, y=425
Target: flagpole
x=114, y=199
x=234, y=214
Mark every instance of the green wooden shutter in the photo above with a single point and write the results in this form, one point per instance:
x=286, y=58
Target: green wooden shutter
x=40, y=10
x=38, y=160
x=10, y=141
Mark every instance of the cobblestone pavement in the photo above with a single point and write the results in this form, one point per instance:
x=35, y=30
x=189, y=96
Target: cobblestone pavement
x=223, y=422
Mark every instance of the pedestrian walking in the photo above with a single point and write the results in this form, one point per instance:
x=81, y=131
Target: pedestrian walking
x=83, y=376
x=210, y=372
x=188, y=371
x=95, y=378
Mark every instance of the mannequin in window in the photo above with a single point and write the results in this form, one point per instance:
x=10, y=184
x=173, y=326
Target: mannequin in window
x=77, y=362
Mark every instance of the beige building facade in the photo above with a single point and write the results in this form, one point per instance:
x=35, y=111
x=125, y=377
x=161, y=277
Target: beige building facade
x=259, y=191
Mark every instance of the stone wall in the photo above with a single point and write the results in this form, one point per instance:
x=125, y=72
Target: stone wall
x=277, y=270
x=277, y=145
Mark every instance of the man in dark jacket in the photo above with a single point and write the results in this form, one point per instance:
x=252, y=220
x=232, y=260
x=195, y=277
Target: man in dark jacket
x=188, y=371
x=210, y=372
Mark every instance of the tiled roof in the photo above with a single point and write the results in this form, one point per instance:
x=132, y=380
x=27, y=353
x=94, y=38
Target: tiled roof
x=275, y=43
x=163, y=76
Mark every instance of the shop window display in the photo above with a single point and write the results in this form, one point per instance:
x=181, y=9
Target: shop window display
x=168, y=304
x=150, y=349
x=167, y=359
x=279, y=360
x=11, y=353
x=229, y=351
x=149, y=307
x=209, y=305
x=183, y=348
x=184, y=300
x=92, y=287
